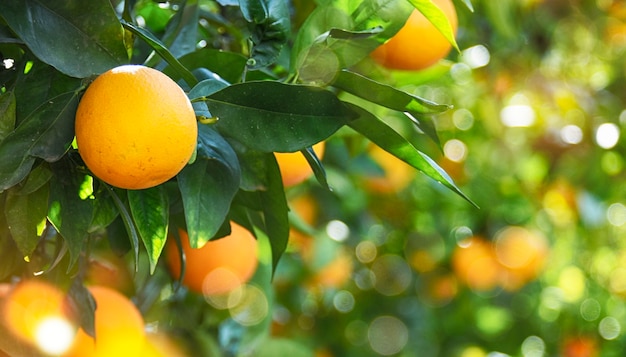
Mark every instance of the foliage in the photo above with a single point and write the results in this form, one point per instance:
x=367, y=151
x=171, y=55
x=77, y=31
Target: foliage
x=259, y=84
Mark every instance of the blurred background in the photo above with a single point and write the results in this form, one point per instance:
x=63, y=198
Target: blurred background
x=390, y=263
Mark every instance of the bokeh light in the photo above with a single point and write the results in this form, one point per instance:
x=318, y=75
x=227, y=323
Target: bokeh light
x=387, y=335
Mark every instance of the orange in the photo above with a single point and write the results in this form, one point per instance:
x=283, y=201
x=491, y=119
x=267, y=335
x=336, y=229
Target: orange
x=418, y=44
x=336, y=273
x=293, y=165
x=218, y=267
x=522, y=254
x=107, y=269
x=397, y=173
x=474, y=263
x=34, y=311
x=582, y=346
x=135, y=127
x=119, y=327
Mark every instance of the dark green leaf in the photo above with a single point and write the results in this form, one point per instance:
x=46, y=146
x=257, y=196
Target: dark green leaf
x=39, y=176
x=25, y=214
x=127, y=220
x=7, y=114
x=392, y=98
x=46, y=134
x=105, y=211
x=272, y=116
x=160, y=48
x=270, y=29
x=92, y=38
x=40, y=84
x=69, y=214
x=83, y=305
x=181, y=34
x=384, y=136
x=150, y=210
x=316, y=165
x=275, y=211
x=228, y=65
x=208, y=186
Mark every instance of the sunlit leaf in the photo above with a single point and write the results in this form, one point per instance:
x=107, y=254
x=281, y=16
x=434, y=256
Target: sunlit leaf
x=24, y=213
x=438, y=18
x=388, y=139
x=150, y=211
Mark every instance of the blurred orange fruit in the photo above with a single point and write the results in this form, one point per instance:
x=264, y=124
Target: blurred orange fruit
x=218, y=267
x=522, y=253
x=418, y=44
x=397, y=173
x=108, y=269
x=135, y=127
x=336, y=273
x=293, y=165
x=33, y=310
x=474, y=263
x=582, y=346
x=119, y=327
x=160, y=344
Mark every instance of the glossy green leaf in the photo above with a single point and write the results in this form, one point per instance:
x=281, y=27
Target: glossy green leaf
x=271, y=116
x=105, y=211
x=316, y=165
x=92, y=37
x=388, y=139
x=39, y=176
x=127, y=221
x=270, y=29
x=150, y=211
x=163, y=51
x=69, y=214
x=208, y=186
x=438, y=18
x=46, y=134
x=7, y=114
x=392, y=98
x=275, y=211
x=181, y=34
x=25, y=213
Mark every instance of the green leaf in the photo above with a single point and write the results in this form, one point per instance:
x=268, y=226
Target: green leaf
x=270, y=29
x=208, y=186
x=202, y=90
x=162, y=50
x=46, y=134
x=69, y=214
x=39, y=85
x=181, y=34
x=79, y=38
x=7, y=114
x=389, y=140
x=438, y=18
x=25, y=214
x=150, y=211
x=39, y=176
x=349, y=30
x=128, y=224
x=316, y=165
x=84, y=306
x=228, y=65
x=275, y=211
x=392, y=98
x=105, y=211
x=271, y=116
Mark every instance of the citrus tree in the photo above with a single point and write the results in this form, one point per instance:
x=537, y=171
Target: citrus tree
x=185, y=146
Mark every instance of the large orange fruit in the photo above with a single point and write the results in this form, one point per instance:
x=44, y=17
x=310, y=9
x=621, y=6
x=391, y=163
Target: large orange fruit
x=135, y=127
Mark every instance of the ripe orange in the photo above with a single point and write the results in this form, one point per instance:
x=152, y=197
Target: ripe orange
x=119, y=327
x=418, y=44
x=160, y=344
x=293, y=165
x=31, y=312
x=135, y=127
x=220, y=266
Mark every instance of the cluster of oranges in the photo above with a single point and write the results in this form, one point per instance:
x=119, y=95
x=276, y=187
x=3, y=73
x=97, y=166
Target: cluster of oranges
x=40, y=318
x=515, y=257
